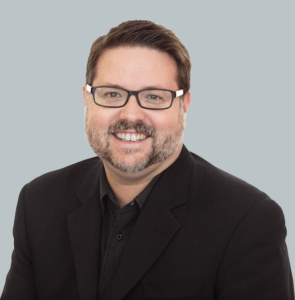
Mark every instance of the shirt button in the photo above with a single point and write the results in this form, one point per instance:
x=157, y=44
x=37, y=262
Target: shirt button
x=132, y=203
x=119, y=237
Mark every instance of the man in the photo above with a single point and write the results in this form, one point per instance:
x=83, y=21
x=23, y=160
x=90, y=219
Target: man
x=145, y=218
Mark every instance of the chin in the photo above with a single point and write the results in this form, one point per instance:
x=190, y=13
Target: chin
x=131, y=164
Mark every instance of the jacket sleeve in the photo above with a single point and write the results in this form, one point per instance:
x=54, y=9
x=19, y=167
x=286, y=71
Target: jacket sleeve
x=20, y=278
x=256, y=264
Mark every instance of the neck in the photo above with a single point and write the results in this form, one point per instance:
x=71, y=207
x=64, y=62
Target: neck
x=126, y=186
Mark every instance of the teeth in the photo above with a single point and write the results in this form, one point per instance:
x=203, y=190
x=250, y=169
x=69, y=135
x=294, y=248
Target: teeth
x=130, y=137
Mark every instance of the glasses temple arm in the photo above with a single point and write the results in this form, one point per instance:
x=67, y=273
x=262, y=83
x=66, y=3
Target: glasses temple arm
x=178, y=93
x=88, y=88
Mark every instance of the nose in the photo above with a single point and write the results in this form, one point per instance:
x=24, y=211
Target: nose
x=132, y=111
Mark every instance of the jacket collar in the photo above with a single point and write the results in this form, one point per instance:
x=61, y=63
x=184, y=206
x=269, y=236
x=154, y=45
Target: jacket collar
x=90, y=182
x=172, y=187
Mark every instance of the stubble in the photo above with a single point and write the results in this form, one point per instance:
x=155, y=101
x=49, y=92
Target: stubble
x=164, y=143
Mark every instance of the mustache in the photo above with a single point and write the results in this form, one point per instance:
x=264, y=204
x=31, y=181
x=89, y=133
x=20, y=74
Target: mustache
x=139, y=127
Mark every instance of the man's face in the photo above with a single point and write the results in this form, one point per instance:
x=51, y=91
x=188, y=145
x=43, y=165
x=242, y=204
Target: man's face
x=135, y=68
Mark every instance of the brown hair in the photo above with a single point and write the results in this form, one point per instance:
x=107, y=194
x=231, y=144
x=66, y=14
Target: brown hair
x=144, y=34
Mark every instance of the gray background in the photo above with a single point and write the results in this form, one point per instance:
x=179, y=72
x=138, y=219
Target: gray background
x=241, y=117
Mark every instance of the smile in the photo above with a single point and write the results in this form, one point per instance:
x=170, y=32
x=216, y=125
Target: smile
x=131, y=137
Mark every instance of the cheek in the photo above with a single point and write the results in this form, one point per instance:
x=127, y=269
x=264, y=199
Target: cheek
x=165, y=119
x=101, y=119
x=157, y=119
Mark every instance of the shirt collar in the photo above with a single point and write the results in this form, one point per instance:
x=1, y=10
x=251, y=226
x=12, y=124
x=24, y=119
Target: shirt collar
x=105, y=189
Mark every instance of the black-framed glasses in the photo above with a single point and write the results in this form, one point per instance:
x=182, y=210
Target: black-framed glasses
x=113, y=97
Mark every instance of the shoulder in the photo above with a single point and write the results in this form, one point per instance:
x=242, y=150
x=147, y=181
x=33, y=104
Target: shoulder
x=226, y=193
x=61, y=182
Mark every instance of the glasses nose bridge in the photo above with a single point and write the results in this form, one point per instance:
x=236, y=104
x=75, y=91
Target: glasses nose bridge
x=133, y=93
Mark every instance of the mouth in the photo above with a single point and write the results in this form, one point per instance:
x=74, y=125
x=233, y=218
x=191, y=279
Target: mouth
x=130, y=137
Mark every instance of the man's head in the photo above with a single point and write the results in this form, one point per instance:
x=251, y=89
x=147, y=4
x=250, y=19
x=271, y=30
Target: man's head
x=137, y=55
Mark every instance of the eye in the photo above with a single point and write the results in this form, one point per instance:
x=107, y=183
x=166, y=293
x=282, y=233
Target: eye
x=113, y=94
x=154, y=97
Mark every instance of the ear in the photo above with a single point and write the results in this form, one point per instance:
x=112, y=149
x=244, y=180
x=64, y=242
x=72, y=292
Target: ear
x=186, y=102
x=84, y=93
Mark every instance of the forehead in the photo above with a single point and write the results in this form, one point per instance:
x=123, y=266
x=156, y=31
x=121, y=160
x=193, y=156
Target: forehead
x=136, y=67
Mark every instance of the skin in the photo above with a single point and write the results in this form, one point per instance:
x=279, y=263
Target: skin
x=130, y=166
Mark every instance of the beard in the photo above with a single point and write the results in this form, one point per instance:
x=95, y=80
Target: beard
x=164, y=143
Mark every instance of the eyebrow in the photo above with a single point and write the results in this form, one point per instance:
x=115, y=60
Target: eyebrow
x=143, y=88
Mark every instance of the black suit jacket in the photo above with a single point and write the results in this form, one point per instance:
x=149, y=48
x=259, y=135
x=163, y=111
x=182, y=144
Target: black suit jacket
x=201, y=234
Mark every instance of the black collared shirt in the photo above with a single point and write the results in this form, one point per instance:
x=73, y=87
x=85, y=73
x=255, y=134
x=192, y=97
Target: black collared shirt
x=117, y=224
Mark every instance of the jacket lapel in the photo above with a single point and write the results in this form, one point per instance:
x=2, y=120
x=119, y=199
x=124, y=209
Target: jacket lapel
x=84, y=226
x=155, y=227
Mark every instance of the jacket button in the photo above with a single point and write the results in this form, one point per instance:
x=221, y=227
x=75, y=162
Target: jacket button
x=119, y=237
